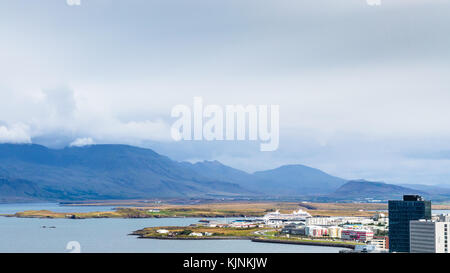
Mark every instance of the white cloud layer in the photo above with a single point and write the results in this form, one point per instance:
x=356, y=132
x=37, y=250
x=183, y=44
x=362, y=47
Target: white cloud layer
x=360, y=88
x=17, y=133
x=80, y=142
x=62, y=111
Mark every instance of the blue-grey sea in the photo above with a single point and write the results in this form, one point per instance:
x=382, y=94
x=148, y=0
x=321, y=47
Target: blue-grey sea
x=111, y=235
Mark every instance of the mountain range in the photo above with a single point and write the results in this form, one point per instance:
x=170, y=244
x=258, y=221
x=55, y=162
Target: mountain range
x=30, y=172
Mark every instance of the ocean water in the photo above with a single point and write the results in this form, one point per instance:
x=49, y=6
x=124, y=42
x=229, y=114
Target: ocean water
x=441, y=211
x=19, y=235
x=13, y=208
x=435, y=211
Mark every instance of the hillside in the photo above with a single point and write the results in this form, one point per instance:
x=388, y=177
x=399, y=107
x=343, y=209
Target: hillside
x=362, y=189
x=299, y=180
x=33, y=172
x=126, y=172
x=20, y=190
x=106, y=172
x=287, y=180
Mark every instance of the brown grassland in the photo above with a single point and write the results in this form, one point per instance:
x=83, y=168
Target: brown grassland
x=229, y=209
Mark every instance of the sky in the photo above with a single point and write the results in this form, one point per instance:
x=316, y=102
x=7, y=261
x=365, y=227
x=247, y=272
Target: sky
x=363, y=90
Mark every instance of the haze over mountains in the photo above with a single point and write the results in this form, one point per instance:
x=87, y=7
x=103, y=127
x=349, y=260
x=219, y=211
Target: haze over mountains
x=30, y=172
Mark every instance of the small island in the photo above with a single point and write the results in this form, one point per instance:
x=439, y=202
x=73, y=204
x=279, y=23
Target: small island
x=255, y=234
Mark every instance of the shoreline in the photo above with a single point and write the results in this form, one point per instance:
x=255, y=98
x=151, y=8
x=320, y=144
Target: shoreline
x=214, y=210
x=277, y=241
x=194, y=238
x=118, y=214
x=211, y=210
x=254, y=234
x=253, y=239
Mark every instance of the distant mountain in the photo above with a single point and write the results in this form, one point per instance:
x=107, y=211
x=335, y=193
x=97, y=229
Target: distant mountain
x=434, y=192
x=299, y=180
x=106, y=172
x=20, y=190
x=362, y=189
x=34, y=172
x=218, y=171
x=431, y=189
x=288, y=180
x=124, y=172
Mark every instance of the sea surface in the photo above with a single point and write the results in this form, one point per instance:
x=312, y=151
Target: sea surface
x=435, y=211
x=107, y=235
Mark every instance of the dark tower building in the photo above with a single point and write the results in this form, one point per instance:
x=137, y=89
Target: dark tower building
x=412, y=207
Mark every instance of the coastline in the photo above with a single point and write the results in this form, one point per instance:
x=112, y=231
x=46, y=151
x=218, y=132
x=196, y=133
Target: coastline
x=231, y=233
x=213, y=210
x=125, y=214
x=303, y=242
x=195, y=238
x=254, y=239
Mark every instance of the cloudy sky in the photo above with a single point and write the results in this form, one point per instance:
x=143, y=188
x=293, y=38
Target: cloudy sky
x=364, y=91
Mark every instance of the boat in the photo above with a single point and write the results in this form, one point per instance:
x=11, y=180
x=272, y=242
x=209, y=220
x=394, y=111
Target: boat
x=299, y=215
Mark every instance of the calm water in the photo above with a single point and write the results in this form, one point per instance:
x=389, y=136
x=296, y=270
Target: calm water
x=110, y=235
x=13, y=208
x=441, y=211
x=435, y=211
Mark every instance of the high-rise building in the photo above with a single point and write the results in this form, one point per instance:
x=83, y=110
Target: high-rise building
x=429, y=236
x=401, y=212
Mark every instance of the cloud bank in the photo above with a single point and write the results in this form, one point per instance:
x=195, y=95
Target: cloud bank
x=80, y=142
x=363, y=90
x=16, y=133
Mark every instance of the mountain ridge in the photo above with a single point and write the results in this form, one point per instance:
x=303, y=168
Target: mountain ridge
x=110, y=171
x=363, y=189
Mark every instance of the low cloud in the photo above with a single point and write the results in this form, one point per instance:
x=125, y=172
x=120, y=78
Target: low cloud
x=68, y=114
x=80, y=142
x=16, y=133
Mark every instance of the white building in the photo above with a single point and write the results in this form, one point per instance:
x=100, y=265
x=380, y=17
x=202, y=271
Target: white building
x=444, y=218
x=274, y=223
x=335, y=232
x=380, y=242
x=322, y=221
x=243, y=224
x=335, y=221
x=428, y=236
x=316, y=231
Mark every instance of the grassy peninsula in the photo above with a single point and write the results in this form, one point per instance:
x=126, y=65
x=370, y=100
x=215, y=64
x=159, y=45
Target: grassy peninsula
x=256, y=234
x=231, y=209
